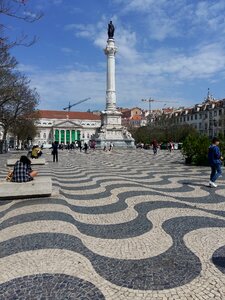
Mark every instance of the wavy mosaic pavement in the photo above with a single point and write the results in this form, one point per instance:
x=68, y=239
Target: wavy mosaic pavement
x=119, y=225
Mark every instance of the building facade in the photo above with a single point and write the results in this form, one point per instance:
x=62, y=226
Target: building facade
x=133, y=117
x=208, y=117
x=65, y=127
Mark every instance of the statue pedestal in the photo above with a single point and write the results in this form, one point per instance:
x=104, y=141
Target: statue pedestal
x=111, y=131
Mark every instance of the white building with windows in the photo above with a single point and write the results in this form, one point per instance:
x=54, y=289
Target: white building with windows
x=208, y=117
x=65, y=127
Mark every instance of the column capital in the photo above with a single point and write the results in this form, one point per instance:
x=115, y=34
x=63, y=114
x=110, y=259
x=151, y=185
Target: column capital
x=110, y=49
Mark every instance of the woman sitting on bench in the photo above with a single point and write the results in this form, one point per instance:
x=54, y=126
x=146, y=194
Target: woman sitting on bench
x=22, y=171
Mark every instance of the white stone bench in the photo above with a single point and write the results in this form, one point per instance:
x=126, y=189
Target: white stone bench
x=38, y=161
x=39, y=187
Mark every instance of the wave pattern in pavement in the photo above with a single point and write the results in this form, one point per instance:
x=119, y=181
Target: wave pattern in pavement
x=119, y=225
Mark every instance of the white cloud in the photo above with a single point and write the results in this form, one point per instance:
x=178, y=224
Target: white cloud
x=58, y=88
x=82, y=30
x=143, y=70
x=97, y=33
x=164, y=19
x=66, y=50
x=157, y=76
x=57, y=2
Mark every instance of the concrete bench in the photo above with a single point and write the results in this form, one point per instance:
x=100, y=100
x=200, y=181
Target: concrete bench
x=39, y=187
x=38, y=161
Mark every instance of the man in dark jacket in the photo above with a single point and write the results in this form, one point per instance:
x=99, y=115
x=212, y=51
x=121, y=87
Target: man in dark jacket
x=55, y=151
x=214, y=157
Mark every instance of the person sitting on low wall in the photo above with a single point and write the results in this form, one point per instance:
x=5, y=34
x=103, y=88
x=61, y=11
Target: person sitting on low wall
x=22, y=171
x=36, y=152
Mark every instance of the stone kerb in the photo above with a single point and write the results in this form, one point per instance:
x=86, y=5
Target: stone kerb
x=39, y=161
x=39, y=187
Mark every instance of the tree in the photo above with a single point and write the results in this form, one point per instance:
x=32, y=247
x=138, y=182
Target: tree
x=17, y=100
x=195, y=149
x=162, y=133
x=21, y=103
x=24, y=129
x=17, y=9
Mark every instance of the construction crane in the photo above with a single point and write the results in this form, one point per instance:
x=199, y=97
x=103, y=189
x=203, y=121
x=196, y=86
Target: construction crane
x=150, y=100
x=71, y=105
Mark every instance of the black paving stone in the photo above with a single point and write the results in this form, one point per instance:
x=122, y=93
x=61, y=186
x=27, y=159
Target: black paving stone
x=49, y=286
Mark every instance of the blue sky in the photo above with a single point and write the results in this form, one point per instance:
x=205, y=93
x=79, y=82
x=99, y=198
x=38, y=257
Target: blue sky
x=169, y=50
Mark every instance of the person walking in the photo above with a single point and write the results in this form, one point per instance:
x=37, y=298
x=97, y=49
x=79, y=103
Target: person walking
x=215, y=162
x=110, y=146
x=85, y=147
x=55, y=151
x=79, y=145
x=154, y=147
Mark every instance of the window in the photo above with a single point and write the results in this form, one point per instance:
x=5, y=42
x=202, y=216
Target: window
x=220, y=112
x=200, y=125
x=215, y=113
x=83, y=136
x=206, y=126
x=184, y=119
x=200, y=116
x=188, y=118
x=88, y=135
x=44, y=135
x=196, y=116
x=191, y=117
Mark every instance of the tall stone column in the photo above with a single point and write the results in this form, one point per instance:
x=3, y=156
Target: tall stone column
x=110, y=51
x=111, y=130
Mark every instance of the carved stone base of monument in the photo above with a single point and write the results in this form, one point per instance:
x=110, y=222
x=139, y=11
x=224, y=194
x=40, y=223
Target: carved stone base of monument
x=111, y=131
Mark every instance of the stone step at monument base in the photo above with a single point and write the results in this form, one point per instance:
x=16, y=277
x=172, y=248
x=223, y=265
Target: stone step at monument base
x=38, y=161
x=117, y=143
x=39, y=187
x=115, y=134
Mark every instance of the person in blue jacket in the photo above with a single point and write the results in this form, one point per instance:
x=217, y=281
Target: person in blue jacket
x=214, y=157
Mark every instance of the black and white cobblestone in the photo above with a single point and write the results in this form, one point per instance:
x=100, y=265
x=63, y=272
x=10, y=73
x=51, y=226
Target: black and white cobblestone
x=125, y=225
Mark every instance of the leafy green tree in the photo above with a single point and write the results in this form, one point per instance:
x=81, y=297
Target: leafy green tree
x=195, y=149
x=171, y=132
x=24, y=129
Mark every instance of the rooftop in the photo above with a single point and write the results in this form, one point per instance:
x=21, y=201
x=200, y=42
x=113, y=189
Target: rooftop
x=73, y=115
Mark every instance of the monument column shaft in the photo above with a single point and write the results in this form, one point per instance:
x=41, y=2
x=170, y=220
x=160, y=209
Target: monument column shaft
x=111, y=83
x=110, y=51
